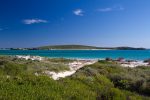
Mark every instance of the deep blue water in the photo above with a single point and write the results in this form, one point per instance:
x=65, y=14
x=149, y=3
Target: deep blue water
x=83, y=54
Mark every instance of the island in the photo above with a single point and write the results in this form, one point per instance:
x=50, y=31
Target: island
x=75, y=47
x=84, y=47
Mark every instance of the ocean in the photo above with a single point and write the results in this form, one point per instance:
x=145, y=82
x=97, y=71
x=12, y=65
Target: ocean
x=83, y=54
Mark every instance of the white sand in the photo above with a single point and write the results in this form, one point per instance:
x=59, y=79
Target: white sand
x=134, y=64
x=74, y=66
x=30, y=57
x=56, y=76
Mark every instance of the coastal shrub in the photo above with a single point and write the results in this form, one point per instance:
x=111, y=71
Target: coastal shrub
x=104, y=81
x=60, y=60
x=77, y=90
x=132, y=79
x=32, y=88
x=58, y=67
x=145, y=88
x=12, y=69
x=99, y=81
x=91, y=71
x=108, y=61
x=120, y=80
x=2, y=62
x=111, y=94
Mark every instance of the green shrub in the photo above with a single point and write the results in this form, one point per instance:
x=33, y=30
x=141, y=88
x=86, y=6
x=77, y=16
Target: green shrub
x=99, y=81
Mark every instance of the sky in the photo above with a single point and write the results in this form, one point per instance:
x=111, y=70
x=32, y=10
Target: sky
x=104, y=23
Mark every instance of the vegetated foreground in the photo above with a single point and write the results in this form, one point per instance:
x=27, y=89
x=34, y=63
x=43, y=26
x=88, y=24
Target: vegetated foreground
x=100, y=81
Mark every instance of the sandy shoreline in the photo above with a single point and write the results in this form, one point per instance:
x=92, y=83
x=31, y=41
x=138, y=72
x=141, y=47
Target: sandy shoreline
x=134, y=64
x=122, y=62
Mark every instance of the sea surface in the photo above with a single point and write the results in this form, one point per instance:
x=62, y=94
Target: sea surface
x=83, y=54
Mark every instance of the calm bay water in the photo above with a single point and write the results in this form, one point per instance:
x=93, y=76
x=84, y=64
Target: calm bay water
x=83, y=54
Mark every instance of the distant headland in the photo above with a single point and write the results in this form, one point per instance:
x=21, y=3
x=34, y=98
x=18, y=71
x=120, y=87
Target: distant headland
x=74, y=47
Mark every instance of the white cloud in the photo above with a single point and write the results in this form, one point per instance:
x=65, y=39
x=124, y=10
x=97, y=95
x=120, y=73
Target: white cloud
x=78, y=12
x=114, y=8
x=34, y=21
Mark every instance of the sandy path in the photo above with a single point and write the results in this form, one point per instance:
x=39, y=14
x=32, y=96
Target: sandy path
x=74, y=66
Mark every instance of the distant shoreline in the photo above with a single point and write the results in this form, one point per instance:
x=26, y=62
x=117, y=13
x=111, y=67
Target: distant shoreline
x=87, y=47
x=63, y=49
x=76, y=47
x=71, y=49
x=82, y=49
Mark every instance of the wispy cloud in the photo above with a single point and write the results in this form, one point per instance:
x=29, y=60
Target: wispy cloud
x=34, y=21
x=78, y=12
x=109, y=9
x=118, y=8
x=105, y=9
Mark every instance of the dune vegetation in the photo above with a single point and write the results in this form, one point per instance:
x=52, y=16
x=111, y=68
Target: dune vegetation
x=100, y=81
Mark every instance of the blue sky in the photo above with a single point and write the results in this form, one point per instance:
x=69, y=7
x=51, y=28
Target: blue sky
x=106, y=23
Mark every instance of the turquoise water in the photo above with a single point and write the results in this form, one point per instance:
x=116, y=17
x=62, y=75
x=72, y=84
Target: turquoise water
x=83, y=54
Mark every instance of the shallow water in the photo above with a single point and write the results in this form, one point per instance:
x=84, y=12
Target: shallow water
x=83, y=54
